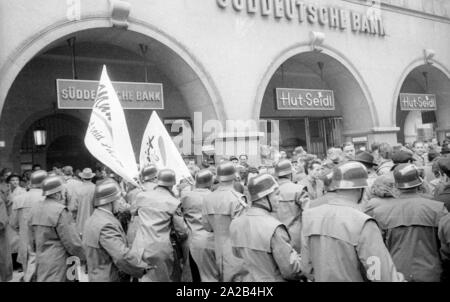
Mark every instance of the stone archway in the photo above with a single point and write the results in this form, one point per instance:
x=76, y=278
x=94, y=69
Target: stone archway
x=300, y=68
x=194, y=85
x=420, y=78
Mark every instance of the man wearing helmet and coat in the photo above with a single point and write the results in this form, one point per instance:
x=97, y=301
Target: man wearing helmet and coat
x=219, y=208
x=159, y=215
x=148, y=177
x=201, y=242
x=340, y=243
x=54, y=233
x=265, y=244
x=20, y=220
x=411, y=223
x=105, y=242
x=292, y=198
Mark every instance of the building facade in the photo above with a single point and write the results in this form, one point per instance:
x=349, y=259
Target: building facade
x=326, y=71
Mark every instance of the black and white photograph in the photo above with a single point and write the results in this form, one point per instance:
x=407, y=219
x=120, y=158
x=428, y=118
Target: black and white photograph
x=218, y=144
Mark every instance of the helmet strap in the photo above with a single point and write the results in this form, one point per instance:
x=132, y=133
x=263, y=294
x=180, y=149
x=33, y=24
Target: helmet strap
x=361, y=195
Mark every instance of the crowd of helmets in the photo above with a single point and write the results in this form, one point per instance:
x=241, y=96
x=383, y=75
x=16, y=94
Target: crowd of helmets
x=424, y=166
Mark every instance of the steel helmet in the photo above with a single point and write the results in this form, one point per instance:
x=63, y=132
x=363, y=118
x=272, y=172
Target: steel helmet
x=226, y=171
x=204, y=179
x=261, y=185
x=349, y=175
x=52, y=184
x=166, y=178
x=406, y=176
x=37, y=177
x=106, y=192
x=149, y=172
x=283, y=167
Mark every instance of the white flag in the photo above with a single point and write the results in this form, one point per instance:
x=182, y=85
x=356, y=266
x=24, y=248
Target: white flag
x=107, y=136
x=158, y=148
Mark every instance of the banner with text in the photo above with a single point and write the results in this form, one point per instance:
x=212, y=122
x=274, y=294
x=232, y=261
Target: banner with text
x=414, y=101
x=107, y=137
x=304, y=99
x=80, y=94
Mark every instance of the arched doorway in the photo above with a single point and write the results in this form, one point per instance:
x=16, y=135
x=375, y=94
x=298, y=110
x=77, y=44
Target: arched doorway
x=185, y=86
x=424, y=82
x=64, y=143
x=69, y=150
x=316, y=128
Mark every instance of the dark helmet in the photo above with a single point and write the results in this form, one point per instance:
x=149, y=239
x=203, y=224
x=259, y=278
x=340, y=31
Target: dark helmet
x=106, y=192
x=261, y=185
x=349, y=175
x=166, y=178
x=226, y=171
x=204, y=179
x=37, y=178
x=52, y=185
x=149, y=172
x=283, y=167
x=406, y=176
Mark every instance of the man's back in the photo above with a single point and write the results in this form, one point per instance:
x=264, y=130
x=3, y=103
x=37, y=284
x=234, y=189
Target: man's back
x=219, y=208
x=340, y=243
x=411, y=224
x=83, y=193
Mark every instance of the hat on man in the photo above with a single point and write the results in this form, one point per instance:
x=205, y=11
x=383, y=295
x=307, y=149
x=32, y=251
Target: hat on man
x=86, y=174
x=365, y=158
x=401, y=157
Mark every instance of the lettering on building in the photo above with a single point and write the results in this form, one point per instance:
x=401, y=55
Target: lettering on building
x=304, y=99
x=81, y=94
x=301, y=12
x=413, y=101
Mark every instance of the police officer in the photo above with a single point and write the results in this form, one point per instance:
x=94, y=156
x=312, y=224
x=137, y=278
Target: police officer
x=54, y=234
x=340, y=243
x=105, y=242
x=20, y=220
x=292, y=197
x=219, y=208
x=201, y=242
x=159, y=214
x=265, y=243
x=411, y=225
x=148, y=177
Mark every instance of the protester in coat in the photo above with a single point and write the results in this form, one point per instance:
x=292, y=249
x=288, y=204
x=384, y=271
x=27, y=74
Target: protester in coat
x=292, y=198
x=340, y=243
x=201, y=242
x=70, y=183
x=261, y=240
x=105, y=242
x=312, y=182
x=383, y=191
x=411, y=225
x=219, y=209
x=20, y=220
x=15, y=190
x=6, y=269
x=83, y=199
x=159, y=214
x=54, y=235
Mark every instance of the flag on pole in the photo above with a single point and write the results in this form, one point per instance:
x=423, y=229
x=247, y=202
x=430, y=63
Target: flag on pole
x=107, y=136
x=158, y=148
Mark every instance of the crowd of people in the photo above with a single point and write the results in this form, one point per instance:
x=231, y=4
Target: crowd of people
x=356, y=215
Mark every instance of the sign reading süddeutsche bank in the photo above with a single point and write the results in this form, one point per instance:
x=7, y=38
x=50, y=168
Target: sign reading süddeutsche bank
x=80, y=94
x=304, y=99
x=412, y=101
